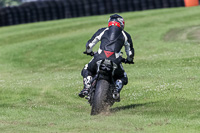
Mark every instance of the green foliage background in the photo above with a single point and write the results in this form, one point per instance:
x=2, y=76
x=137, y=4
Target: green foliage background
x=4, y=3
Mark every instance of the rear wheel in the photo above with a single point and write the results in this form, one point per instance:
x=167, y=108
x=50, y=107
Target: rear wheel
x=100, y=102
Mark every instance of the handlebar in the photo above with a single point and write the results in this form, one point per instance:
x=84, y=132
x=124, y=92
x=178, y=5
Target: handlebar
x=123, y=59
x=91, y=53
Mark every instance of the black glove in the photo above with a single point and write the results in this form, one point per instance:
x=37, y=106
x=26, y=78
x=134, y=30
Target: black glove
x=129, y=62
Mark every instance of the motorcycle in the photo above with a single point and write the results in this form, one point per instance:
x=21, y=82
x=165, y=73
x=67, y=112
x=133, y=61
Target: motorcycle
x=102, y=93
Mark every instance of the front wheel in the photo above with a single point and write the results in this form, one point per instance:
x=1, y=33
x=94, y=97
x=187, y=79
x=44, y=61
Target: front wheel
x=100, y=102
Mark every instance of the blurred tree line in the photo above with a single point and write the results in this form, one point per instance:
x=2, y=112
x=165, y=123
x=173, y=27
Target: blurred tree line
x=4, y=3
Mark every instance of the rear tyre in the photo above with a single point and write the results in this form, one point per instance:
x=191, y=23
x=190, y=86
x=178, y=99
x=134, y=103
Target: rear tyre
x=100, y=102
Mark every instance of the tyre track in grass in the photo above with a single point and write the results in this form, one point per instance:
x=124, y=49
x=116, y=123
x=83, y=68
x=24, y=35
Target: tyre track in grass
x=185, y=34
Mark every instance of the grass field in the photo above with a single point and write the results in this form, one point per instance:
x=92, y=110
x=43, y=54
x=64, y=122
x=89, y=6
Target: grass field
x=40, y=67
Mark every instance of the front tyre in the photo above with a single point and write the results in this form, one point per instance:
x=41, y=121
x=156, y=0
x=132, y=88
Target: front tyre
x=99, y=103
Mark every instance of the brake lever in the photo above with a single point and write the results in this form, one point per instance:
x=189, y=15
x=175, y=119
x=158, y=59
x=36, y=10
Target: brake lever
x=126, y=61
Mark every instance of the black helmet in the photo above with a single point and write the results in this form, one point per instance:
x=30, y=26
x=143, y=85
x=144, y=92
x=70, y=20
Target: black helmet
x=116, y=20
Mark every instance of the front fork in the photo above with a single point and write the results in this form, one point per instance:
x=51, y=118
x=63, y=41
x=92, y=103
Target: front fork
x=90, y=95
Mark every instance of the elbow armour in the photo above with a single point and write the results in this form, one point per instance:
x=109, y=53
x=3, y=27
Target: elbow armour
x=133, y=53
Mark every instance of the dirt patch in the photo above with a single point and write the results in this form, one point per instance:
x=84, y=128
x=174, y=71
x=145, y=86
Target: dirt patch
x=185, y=34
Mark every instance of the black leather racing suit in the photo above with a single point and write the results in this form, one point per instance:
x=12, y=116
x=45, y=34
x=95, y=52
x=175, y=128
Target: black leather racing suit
x=112, y=40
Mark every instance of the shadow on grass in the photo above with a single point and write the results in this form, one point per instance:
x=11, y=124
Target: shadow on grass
x=173, y=107
x=131, y=106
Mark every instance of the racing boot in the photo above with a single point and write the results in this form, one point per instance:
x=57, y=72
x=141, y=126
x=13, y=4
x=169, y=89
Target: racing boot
x=118, y=88
x=87, y=85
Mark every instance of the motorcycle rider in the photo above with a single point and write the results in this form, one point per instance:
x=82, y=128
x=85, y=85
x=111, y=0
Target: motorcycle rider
x=112, y=38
